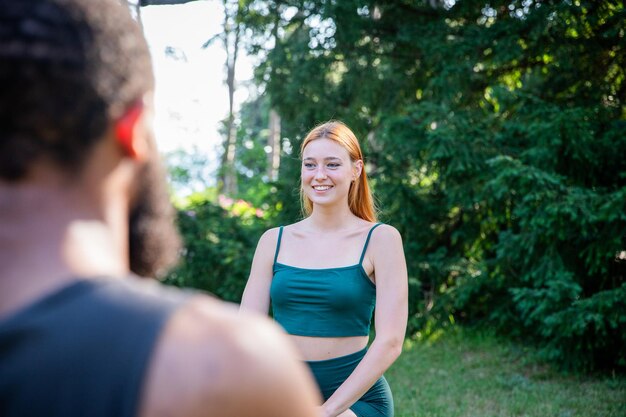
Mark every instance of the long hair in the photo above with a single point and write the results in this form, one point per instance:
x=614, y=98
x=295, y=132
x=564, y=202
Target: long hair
x=360, y=198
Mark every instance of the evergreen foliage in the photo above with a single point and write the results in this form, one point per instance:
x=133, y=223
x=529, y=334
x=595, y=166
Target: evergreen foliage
x=494, y=134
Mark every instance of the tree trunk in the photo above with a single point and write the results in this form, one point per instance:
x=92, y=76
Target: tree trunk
x=273, y=141
x=232, y=31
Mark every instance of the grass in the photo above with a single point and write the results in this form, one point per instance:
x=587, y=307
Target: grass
x=468, y=374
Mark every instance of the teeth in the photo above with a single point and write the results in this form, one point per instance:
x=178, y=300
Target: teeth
x=321, y=187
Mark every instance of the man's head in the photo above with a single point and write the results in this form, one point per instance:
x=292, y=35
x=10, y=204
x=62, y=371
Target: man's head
x=67, y=67
x=71, y=72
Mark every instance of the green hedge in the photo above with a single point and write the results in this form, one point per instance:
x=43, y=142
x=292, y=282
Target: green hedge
x=219, y=244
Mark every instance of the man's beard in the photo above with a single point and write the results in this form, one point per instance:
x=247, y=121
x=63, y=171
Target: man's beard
x=154, y=241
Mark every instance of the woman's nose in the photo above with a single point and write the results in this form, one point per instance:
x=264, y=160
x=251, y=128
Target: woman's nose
x=320, y=173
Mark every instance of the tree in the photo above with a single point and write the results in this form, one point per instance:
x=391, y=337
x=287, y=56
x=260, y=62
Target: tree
x=231, y=39
x=494, y=135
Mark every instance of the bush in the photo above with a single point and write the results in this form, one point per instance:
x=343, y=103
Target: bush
x=219, y=244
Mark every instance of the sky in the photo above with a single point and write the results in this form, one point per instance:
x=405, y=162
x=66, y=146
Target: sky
x=191, y=97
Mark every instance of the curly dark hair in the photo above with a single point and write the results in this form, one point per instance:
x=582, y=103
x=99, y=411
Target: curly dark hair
x=67, y=69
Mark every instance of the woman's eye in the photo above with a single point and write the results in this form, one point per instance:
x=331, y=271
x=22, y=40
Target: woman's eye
x=333, y=165
x=309, y=165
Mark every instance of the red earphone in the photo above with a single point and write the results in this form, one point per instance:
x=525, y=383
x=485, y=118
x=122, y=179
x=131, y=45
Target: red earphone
x=125, y=126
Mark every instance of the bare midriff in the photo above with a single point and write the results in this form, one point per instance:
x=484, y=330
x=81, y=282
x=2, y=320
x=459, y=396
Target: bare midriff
x=322, y=348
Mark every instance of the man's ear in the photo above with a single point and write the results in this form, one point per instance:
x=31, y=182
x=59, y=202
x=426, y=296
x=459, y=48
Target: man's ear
x=128, y=132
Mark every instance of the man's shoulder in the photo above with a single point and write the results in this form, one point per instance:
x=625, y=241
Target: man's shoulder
x=212, y=356
x=209, y=322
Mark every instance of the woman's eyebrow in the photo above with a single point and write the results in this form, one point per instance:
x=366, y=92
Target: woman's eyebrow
x=328, y=158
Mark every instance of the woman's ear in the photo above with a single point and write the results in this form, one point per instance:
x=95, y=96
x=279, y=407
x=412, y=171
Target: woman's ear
x=357, y=169
x=128, y=132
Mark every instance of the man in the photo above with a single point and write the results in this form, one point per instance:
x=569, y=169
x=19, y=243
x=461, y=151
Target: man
x=82, y=204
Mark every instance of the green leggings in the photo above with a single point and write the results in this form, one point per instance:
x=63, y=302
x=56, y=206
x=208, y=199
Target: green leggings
x=331, y=373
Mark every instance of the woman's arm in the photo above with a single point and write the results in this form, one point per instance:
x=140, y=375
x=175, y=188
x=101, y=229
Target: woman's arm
x=256, y=295
x=387, y=255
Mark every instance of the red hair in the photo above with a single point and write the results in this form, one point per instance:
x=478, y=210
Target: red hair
x=360, y=198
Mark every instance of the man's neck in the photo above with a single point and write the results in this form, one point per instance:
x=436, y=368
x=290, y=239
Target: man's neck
x=49, y=237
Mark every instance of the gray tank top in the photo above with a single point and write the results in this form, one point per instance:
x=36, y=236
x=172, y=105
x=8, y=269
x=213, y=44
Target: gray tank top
x=83, y=350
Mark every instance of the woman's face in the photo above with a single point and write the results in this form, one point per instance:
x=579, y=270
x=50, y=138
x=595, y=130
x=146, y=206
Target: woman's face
x=327, y=172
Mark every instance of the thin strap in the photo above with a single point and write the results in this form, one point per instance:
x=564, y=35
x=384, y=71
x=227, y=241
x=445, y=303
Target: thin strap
x=367, y=242
x=280, y=235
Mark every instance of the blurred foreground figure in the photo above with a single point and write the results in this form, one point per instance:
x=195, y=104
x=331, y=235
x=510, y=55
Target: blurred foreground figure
x=82, y=204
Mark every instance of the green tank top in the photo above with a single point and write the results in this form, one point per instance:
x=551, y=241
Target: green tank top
x=327, y=302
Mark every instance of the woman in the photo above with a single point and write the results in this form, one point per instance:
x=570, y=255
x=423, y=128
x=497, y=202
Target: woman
x=325, y=274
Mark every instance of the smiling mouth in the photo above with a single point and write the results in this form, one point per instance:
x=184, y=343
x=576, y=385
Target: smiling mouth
x=322, y=187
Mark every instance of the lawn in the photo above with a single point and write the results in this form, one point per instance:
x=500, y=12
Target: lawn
x=467, y=374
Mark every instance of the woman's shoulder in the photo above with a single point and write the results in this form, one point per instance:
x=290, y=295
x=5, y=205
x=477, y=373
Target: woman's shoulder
x=272, y=235
x=385, y=232
x=269, y=238
x=274, y=231
x=267, y=244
